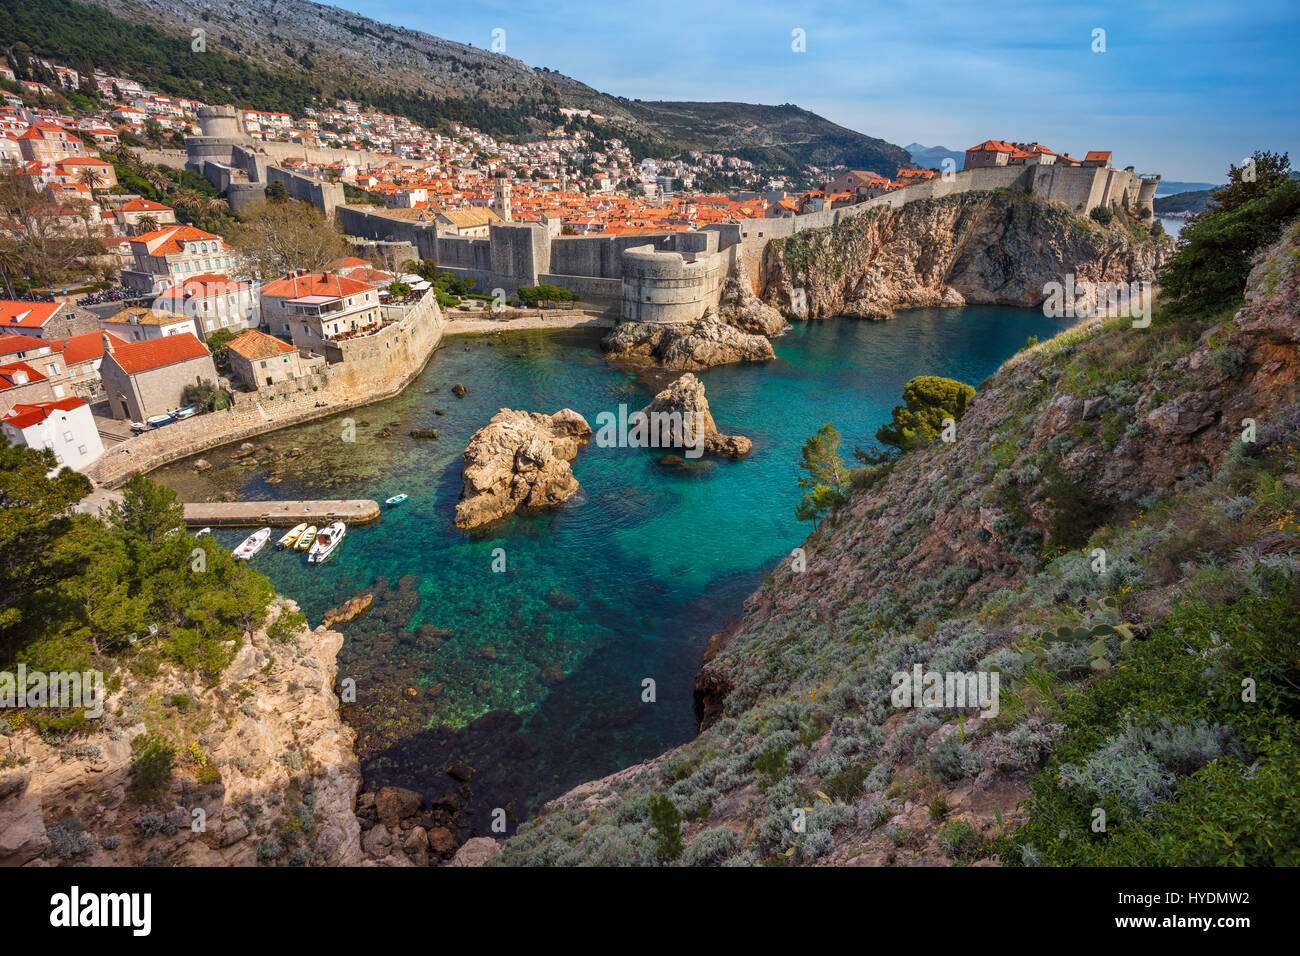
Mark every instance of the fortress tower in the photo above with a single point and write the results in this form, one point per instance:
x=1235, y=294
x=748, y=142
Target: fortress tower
x=501, y=194
x=220, y=122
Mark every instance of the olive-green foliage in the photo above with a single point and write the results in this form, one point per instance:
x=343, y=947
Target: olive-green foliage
x=667, y=822
x=1216, y=246
x=1188, y=772
x=827, y=479
x=137, y=584
x=927, y=401
x=1076, y=512
x=152, y=760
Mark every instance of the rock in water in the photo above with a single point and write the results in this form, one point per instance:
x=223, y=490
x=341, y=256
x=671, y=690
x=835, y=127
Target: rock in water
x=681, y=412
x=350, y=610
x=519, y=460
x=687, y=345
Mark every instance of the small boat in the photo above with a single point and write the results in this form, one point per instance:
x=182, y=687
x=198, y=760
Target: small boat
x=202, y=531
x=254, y=543
x=290, y=539
x=395, y=500
x=157, y=421
x=326, y=542
x=187, y=412
x=306, y=538
x=139, y=427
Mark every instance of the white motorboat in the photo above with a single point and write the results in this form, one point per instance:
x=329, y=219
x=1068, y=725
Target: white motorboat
x=326, y=541
x=254, y=543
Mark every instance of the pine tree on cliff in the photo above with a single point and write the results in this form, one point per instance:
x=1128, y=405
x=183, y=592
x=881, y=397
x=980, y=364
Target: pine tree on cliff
x=1216, y=247
x=927, y=401
x=827, y=480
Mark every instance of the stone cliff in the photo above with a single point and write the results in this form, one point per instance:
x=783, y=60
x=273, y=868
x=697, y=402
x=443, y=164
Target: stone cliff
x=1097, y=481
x=265, y=769
x=983, y=248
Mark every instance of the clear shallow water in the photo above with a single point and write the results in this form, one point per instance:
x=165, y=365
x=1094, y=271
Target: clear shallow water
x=534, y=676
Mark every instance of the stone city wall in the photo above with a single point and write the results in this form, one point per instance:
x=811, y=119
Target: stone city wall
x=399, y=353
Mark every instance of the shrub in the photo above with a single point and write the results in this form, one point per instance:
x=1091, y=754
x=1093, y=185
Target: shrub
x=1101, y=214
x=666, y=820
x=959, y=840
x=152, y=760
x=1076, y=513
x=927, y=401
x=954, y=760
x=68, y=839
x=712, y=847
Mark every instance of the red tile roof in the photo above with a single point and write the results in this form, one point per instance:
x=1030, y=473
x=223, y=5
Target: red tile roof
x=258, y=345
x=26, y=315
x=314, y=283
x=171, y=238
x=24, y=416
x=7, y=375
x=83, y=348
x=135, y=357
x=10, y=344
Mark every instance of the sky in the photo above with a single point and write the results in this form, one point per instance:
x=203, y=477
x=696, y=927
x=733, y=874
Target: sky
x=1177, y=88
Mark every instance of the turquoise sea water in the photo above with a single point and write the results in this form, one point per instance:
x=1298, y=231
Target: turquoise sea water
x=534, y=676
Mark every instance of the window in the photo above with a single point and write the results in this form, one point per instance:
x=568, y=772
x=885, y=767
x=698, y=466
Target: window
x=58, y=391
x=67, y=436
x=81, y=450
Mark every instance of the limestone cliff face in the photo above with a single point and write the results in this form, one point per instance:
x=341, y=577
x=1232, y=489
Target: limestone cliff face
x=977, y=248
x=262, y=752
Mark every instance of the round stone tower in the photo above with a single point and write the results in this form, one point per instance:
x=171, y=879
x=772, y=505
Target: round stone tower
x=220, y=122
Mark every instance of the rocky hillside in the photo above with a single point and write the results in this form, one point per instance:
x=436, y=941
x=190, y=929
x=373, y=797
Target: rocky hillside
x=328, y=51
x=978, y=247
x=264, y=767
x=1116, y=518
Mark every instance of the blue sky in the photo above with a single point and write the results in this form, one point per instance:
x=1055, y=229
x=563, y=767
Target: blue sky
x=1182, y=88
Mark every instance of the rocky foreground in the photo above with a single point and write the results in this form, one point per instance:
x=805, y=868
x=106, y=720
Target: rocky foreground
x=519, y=460
x=268, y=756
x=683, y=405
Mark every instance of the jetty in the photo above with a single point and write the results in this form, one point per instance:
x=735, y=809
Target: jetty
x=279, y=514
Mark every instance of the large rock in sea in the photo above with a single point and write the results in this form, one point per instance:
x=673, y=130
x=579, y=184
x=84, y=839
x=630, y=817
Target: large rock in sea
x=686, y=405
x=519, y=460
x=687, y=345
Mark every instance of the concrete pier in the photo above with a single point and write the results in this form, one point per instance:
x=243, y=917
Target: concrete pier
x=279, y=514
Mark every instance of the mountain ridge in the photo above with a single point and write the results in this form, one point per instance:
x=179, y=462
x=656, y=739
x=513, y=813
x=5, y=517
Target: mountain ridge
x=316, y=50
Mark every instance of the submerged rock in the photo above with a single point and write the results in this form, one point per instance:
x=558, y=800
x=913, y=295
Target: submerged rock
x=424, y=433
x=679, y=417
x=349, y=610
x=519, y=460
